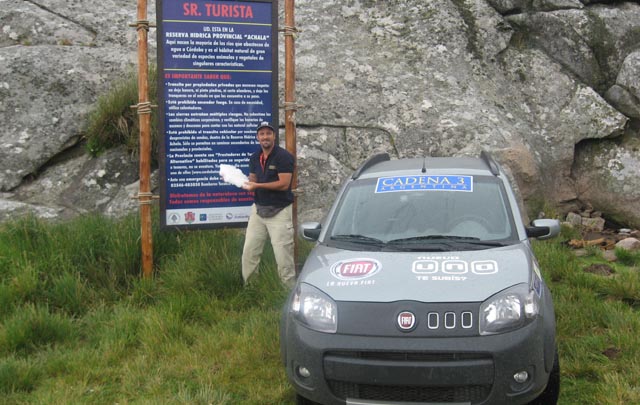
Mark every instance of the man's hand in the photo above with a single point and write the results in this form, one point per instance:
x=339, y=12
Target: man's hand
x=249, y=186
x=284, y=180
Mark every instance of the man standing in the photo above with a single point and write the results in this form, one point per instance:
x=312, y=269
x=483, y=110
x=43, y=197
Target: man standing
x=270, y=174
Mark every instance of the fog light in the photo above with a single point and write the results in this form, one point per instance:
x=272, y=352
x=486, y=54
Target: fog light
x=521, y=376
x=303, y=372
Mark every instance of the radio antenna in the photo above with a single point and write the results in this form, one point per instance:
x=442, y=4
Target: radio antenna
x=424, y=158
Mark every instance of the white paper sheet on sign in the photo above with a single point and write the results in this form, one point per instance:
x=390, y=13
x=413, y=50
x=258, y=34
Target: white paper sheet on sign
x=232, y=175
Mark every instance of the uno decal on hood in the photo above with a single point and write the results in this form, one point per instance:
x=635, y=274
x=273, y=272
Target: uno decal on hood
x=355, y=269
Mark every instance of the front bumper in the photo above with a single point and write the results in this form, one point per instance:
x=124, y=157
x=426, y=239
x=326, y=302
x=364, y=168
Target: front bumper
x=352, y=369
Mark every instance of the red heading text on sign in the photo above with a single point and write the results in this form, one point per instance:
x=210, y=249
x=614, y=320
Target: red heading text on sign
x=218, y=10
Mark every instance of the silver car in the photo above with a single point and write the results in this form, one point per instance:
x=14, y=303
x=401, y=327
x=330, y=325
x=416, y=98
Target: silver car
x=422, y=289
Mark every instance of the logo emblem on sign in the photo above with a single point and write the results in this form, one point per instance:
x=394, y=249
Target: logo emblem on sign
x=406, y=321
x=355, y=269
x=189, y=217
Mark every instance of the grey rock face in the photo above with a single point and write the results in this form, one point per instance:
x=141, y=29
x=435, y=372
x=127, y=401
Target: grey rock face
x=574, y=52
x=545, y=85
x=455, y=89
x=614, y=34
x=624, y=101
x=83, y=184
x=606, y=175
x=629, y=74
x=11, y=209
x=45, y=94
x=594, y=41
x=625, y=94
x=71, y=22
x=26, y=23
x=551, y=5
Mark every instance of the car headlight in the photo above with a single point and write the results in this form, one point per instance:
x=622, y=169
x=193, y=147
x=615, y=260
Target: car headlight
x=509, y=310
x=314, y=309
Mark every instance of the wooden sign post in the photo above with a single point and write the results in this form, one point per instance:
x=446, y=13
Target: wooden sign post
x=145, y=197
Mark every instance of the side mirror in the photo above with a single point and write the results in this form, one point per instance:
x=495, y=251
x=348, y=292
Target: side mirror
x=310, y=231
x=543, y=228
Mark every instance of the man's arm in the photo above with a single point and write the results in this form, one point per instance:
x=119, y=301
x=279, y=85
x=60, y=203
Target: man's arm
x=284, y=179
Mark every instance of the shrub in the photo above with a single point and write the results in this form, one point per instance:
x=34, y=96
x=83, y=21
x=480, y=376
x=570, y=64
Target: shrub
x=113, y=122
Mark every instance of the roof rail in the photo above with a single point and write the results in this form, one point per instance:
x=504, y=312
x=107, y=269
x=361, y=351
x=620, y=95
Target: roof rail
x=373, y=160
x=493, y=166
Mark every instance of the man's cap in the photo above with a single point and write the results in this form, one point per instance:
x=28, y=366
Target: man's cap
x=265, y=124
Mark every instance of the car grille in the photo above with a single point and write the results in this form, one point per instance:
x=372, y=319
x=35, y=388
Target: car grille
x=408, y=356
x=467, y=393
x=462, y=392
x=431, y=319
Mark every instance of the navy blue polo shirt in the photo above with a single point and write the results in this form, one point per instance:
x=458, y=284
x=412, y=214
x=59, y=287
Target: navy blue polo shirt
x=278, y=161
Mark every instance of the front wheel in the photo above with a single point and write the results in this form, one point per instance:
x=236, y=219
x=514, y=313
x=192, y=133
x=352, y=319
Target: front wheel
x=551, y=393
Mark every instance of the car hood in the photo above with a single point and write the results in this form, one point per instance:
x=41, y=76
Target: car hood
x=466, y=276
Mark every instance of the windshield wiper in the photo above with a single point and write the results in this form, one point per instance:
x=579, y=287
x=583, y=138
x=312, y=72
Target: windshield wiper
x=365, y=240
x=442, y=242
x=432, y=237
x=486, y=243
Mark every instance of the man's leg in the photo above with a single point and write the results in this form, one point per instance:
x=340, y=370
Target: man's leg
x=281, y=233
x=255, y=236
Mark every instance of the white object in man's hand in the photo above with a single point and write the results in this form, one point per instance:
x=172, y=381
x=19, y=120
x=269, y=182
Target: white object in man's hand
x=232, y=175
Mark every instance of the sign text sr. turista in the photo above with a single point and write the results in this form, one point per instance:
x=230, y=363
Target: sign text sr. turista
x=218, y=10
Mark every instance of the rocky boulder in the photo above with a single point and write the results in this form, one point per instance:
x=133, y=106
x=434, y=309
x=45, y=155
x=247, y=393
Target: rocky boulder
x=46, y=92
x=606, y=175
x=625, y=93
x=548, y=86
x=441, y=78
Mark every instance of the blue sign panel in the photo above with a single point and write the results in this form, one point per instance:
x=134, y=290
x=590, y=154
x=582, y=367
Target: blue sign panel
x=424, y=183
x=218, y=79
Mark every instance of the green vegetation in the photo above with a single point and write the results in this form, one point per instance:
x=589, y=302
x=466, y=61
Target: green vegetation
x=79, y=325
x=113, y=122
x=597, y=323
x=471, y=28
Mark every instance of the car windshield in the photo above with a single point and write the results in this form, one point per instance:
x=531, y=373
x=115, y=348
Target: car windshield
x=432, y=219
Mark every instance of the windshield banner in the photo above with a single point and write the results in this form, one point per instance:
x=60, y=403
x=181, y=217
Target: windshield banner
x=424, y=183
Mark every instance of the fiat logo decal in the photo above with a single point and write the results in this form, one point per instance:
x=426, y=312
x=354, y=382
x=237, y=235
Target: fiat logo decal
x=355, y=269
x=406, y=321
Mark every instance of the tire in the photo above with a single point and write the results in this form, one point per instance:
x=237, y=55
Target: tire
x=551, y=393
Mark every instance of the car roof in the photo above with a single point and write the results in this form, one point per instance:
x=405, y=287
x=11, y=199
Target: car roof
x=382, y=166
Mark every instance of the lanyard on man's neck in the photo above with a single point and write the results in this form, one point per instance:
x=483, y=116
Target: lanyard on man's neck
x=263, y=160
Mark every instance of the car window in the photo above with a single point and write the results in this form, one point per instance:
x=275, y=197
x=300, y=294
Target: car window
x=481, y=214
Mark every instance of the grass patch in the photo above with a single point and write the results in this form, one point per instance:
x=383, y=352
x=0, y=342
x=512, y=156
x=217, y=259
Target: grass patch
x=33, y=328
x=79, y=325
x=18, y=375
x=628, y=257
x=597, y=324
x=113, y=122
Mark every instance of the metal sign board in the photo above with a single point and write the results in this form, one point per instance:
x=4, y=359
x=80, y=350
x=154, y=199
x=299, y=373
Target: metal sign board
x=217, y=80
